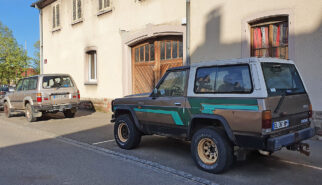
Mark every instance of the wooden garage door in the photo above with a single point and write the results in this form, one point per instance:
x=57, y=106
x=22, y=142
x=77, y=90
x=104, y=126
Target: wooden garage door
x=152, y=58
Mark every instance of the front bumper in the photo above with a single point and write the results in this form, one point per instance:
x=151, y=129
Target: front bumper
x=276, y=143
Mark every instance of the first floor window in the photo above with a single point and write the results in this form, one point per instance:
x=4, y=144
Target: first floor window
x=56, y=16
x=269, y=37
x=103, y=4
x=92, y=66
x=77, y=9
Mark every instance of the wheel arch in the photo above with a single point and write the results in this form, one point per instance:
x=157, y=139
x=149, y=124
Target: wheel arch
x=27, y=100
x=120, y=110
x=201, y=121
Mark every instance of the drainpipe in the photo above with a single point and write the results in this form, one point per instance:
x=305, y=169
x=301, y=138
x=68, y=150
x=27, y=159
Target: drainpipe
x=40, y=40
x=188, y=32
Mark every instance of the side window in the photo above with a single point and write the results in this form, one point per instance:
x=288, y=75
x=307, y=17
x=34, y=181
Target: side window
x=19, y=85
x=32, y=83
x=223, y=79
x=25, y=84
x=173, y=84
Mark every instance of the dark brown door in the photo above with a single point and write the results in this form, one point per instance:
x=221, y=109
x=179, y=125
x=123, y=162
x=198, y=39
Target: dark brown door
x=152, y=58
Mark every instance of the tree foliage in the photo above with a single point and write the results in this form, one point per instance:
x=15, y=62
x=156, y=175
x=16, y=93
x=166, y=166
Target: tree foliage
x=13, y=59
x=36, y=59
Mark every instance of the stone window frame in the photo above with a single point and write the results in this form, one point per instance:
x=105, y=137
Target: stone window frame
x=246, y=30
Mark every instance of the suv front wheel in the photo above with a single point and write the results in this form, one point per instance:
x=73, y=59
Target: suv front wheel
x=125, y=132
x=211, y=150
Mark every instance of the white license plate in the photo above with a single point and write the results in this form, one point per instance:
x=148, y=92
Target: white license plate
x=280, y=124
x=57, y=97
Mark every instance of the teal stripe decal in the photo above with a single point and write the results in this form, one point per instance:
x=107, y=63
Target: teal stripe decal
x=208, y=109
x=174, y=114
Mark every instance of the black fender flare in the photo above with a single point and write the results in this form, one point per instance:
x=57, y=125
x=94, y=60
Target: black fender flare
x=219, y=118
x=129, y=109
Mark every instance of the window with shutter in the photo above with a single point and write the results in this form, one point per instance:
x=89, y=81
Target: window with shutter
x=269, y=37
x=77, y=10
x=103, y=5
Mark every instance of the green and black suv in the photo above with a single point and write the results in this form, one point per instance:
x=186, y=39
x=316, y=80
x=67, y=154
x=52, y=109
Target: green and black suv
x=223, y=107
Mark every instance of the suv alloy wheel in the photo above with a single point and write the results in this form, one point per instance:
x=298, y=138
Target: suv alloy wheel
x=125, y=132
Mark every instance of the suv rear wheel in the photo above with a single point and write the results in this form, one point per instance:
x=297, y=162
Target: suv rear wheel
x=125, y=133
x=6, y=109
x=211, y=150
x=29, y=113
x=69, y=113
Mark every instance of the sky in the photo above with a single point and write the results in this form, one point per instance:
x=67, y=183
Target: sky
x=23, y=20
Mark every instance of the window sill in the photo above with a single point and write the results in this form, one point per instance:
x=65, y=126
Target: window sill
x=77, y=21
x=56, y=29
x=104, y=11
x=91, y=83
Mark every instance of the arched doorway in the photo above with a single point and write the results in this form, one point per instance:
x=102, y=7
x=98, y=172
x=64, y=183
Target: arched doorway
x=151, y=59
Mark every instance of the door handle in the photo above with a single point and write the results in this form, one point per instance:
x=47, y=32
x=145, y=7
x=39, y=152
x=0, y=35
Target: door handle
x=177, y=104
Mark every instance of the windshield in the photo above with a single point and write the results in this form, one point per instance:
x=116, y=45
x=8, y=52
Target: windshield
x=57, y=82
x=282, y=79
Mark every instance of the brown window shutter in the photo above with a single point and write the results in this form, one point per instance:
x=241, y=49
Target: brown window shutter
x=74, y=10
x=106, y=3
x=54, y=18
x=79, y=9
x=100, y=6
x=57, y=15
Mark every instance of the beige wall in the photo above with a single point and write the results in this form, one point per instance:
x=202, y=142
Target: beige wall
x=219, y=30
x=65, y=49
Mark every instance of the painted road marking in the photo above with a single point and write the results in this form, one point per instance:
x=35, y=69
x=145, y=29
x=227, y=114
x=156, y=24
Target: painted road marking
x=103, y=142
x=301, y=164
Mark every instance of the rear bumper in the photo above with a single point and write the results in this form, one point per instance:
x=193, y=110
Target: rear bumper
x=54, y=108
x=273, y=143
x=277, y=143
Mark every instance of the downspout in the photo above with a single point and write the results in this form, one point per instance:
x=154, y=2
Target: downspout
x=188, y=32
x=40, y=39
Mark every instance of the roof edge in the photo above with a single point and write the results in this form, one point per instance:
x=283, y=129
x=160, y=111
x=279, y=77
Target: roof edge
x=41, y=3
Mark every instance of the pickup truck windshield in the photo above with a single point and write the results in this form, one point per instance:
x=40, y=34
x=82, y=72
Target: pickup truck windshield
x=282, y=79
x=56, y=82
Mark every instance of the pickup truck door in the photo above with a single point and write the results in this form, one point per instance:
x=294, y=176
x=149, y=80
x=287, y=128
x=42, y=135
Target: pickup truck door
x=165, y=108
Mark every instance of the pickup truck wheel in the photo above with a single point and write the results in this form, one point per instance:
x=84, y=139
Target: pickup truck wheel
x=69, y=114
x=6, y=109
x=125, y=133
x=29, y=113
x=211, y=150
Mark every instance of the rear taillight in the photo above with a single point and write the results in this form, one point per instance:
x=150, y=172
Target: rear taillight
x=39, y=97
x=310, y=111
x=266, y=121
x=78, y=94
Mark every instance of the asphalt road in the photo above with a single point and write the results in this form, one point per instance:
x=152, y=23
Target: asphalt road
x=168, y=156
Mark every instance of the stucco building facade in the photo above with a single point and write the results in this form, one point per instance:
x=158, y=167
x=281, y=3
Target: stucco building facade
x=114, y=48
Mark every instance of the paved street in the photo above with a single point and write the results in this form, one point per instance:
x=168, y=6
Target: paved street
x=83, y=151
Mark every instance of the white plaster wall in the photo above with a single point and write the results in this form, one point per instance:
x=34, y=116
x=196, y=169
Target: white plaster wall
x=218, y=32
x=65, y=49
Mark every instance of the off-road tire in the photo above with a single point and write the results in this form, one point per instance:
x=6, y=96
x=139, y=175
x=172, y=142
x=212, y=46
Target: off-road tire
x=29, y=113
x=69, y=114
x=220, y=144
x=125, y=132
x=6, y=109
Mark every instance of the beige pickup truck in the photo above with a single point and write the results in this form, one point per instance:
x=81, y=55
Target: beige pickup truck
x=37, y=95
